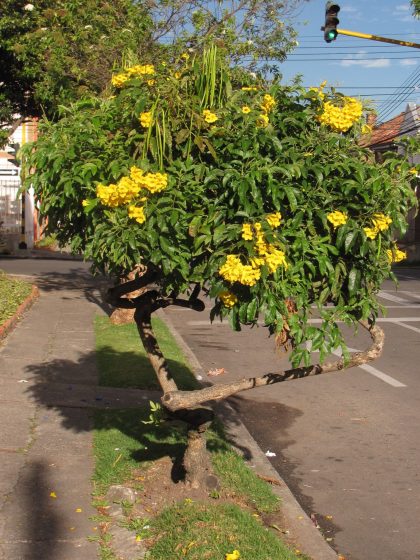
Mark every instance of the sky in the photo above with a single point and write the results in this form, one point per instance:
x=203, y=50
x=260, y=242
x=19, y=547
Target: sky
x=388, y=75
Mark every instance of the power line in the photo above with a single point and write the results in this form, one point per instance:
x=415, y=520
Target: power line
x=392, y=51
x=367, y=87
x=355, y=46
x=389, y=106
x=384, y=34
x=349, y=59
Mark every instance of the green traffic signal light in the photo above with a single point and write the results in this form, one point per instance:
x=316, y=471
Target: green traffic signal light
x=331, y=21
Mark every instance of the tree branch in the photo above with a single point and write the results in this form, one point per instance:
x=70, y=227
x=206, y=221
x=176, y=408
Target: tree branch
x=175, y=400
x=142, y=317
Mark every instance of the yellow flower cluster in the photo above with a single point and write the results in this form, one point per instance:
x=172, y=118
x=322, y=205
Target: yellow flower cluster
x=228, y=299
x=141, y=70
x=319, y=90
x=262, y=121
x=341, y=118
x=275, y=258
x=337, y=218
x=234, y=271
x=366, y=129
x=153, y=182
x=128, y=188
x=118, y=80
x=396, y=255
x=380, y=223
x=274, y=219
x=247, y=232
x=146, y=119
x=235, y=555
x=137, y=212
x=210, y=117
x=246, y=109
x=268, y=103
x=114, y=195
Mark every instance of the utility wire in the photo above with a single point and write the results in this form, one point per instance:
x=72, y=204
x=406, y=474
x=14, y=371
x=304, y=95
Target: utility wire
x=355, y=46
x=351, y=52
x=388, y=106
x=383, y=33
x=348, y=59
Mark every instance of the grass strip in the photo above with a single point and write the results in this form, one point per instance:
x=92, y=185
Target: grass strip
x=122, y=361
x=125, y=445
x=13, y=292
x=209, y=531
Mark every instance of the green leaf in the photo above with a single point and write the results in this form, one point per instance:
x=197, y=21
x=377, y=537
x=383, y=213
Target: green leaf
x=252, y=310
x=243, y=313
x=350, y=240
x=291, y=197
x=354, y=281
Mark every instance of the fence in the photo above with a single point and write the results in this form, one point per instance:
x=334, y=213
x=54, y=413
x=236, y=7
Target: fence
x=10, y=207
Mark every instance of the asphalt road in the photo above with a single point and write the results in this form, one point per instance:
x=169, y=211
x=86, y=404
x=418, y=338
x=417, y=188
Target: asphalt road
x=347, y=444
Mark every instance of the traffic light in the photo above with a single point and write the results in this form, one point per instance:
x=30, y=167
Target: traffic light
x=331, y=22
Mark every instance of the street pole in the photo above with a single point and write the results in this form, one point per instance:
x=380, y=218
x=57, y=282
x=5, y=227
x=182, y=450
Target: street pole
x=377, y=38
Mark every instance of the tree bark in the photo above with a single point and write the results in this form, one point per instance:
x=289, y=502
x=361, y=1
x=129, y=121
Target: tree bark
x=196, y=460
x=185, y=404
x=176, y=400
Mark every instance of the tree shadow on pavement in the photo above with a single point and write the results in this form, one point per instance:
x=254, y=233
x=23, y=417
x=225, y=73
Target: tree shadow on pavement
x=66, y=385
x=33, y=525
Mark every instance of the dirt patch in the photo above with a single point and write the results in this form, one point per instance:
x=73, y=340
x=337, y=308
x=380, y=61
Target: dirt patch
x=159, y=487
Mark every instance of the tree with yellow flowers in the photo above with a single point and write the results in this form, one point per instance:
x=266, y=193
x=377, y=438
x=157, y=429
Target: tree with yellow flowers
x=194, y=178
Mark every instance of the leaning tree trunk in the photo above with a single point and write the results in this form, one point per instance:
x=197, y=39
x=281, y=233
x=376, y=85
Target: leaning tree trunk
x=187, y=405
x=196, y=460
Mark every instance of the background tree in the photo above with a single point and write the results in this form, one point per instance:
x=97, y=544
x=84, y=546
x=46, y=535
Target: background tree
x=416, y=7
x=54, y=52
x=202, y=179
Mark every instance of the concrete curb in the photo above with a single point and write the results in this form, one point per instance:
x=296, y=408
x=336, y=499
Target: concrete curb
x=309, y=539
x=9, y=325
x=42, y=254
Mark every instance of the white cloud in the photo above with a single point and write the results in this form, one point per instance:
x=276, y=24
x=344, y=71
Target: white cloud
x=379, y=63
x=402, y=12
x=349, y=9
x=408, y=62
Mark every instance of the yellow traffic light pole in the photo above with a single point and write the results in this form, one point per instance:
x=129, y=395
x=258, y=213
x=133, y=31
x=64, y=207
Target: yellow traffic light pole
x=377, y=38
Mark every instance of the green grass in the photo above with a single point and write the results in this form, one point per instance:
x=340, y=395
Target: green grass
x=13, y=292
x=123, y=444
x=236, y=476
x=122, y=361
x=209, y=531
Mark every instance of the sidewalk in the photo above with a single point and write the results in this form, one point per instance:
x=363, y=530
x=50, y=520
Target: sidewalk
x=48, y=383
x=49, y=390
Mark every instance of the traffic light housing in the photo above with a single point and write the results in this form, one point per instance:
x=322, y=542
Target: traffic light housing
x=331, y=21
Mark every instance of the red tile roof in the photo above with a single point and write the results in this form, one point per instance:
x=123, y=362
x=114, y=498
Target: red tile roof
x=386, y=132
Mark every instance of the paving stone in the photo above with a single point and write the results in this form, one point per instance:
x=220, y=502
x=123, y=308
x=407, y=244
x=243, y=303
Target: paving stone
x=124, y=544
x=10, y=466
x=16, y=424
x=119, y=493
x=75, y=549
